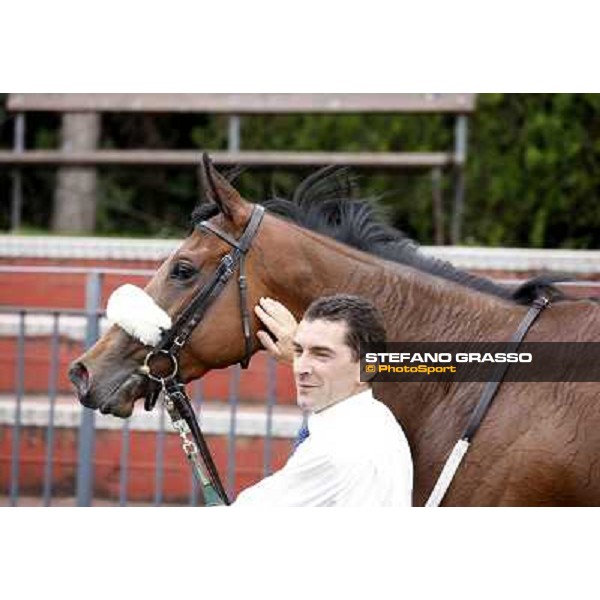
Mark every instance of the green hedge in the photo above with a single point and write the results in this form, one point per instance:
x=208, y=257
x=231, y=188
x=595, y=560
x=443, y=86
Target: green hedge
x=533, y=171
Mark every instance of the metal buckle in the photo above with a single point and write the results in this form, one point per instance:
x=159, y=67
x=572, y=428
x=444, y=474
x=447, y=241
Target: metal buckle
x=189, y=447
x=228, y=260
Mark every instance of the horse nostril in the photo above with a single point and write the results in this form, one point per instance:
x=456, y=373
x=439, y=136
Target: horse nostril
x=80, y=378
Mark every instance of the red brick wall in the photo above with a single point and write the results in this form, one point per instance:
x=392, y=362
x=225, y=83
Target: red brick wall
x=141, y=465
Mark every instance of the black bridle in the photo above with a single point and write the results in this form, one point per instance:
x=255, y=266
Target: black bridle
x=179, y=333
x=176, y=337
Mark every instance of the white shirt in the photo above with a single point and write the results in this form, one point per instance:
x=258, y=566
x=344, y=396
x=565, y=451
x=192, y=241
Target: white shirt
x=356, y=455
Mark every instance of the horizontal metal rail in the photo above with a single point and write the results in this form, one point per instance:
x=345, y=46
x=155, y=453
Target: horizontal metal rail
x=37, y=310
x=59, y=270
x=167, y=158
x=52, y=270
x=460, y=103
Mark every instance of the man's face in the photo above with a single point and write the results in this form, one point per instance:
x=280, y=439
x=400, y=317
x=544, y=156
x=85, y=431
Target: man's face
x=324, y=369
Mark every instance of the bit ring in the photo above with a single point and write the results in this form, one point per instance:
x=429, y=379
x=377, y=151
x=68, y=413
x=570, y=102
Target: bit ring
x=147, y=370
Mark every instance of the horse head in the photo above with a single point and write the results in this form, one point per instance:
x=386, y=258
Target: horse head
x=110, y=376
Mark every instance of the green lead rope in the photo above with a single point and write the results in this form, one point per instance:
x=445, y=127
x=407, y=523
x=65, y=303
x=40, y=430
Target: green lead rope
x=209, y=493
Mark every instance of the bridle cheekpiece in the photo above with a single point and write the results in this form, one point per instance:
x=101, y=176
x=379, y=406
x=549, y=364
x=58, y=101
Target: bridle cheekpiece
x=174, y=339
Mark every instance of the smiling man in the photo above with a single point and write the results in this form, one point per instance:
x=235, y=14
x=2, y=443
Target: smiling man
x=353, y=452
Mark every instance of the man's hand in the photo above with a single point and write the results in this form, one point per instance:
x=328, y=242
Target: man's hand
x=281, y=324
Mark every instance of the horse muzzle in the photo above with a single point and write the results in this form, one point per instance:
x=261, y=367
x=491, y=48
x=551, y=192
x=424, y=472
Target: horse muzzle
x=117, y=397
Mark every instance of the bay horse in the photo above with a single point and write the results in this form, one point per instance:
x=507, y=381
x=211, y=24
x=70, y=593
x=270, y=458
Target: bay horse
x=538, y=445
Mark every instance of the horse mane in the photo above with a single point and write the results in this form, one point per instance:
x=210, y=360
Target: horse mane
x=326, y=202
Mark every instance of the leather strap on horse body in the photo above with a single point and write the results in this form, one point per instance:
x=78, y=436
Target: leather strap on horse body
x=491, y=387
x=488, y=395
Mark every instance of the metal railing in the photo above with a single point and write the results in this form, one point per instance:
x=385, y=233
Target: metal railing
x=266, y=424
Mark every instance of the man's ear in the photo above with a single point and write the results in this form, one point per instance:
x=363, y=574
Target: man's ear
x=214, y=187
x=366, y=377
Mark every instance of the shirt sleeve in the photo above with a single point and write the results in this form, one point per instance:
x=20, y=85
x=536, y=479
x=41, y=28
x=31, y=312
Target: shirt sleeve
x=309, y=478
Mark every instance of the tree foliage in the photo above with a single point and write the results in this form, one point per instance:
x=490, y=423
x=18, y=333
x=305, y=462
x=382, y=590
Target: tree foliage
x=533, y=174
x=532, y=168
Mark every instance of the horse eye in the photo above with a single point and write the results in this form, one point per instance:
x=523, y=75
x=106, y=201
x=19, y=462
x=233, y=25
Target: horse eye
x=182, y=271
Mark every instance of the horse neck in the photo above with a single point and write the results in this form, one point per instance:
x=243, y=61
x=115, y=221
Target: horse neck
x=417, y=306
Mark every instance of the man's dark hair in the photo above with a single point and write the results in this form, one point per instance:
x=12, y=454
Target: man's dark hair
x=364, y=320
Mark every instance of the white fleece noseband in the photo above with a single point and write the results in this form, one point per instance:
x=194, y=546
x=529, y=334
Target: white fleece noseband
x=132, y=309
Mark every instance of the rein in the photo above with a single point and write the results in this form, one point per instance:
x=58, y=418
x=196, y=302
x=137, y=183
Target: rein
x=477, y=416
x=175, y=398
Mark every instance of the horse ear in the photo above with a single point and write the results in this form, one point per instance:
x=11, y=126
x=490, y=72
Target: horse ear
x=214, y=187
